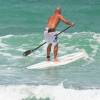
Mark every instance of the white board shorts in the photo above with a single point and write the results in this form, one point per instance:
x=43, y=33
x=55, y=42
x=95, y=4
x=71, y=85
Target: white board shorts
x=50, y=37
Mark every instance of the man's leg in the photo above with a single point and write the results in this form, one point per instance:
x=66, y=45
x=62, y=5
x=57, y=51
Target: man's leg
x=48, y=52
x=55, y=52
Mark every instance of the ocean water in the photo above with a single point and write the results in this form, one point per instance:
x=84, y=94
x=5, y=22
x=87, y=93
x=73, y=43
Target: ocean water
x=22, y=23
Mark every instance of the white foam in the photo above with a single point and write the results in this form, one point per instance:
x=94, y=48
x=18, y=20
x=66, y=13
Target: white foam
x=21, y=49
x=95, y=49
x=3, y=45
x=13, y=92
x=20, y=92
x=5, y=54
x=97, y=37
x=6, y=36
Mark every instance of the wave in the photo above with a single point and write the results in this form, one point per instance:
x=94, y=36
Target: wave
x=45, y=92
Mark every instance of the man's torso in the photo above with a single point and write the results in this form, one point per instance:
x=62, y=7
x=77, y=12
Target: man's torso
x=53, y=22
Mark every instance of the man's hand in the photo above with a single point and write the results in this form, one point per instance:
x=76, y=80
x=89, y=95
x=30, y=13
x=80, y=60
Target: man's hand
x=72, y=25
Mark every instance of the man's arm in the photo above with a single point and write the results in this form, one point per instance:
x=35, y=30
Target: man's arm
x=65, y=20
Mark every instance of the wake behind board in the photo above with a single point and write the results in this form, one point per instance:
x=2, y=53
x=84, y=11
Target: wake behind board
x=66, y=59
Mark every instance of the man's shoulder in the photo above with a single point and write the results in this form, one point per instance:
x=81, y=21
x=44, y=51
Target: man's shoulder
x=57, y=15
x=60, y=16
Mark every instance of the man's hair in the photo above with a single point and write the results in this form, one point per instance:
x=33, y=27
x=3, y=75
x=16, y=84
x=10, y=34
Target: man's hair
x=58, y=10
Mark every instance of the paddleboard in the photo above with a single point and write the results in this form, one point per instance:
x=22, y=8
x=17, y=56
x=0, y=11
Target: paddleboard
x=66, y=59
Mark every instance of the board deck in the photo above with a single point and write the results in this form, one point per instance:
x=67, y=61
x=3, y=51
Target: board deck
x=66, y=59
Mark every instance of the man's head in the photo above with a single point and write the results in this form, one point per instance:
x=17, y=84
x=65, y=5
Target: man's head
x=58, y=10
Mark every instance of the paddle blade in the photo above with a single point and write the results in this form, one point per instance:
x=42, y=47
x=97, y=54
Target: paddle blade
x=26, y=53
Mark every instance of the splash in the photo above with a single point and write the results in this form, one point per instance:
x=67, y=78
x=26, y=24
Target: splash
x=24, y=92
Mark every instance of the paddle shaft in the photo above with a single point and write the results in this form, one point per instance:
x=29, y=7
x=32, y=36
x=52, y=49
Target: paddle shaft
x=63, y=30
x=39, y=46
x=56, y=35
x=30, y=51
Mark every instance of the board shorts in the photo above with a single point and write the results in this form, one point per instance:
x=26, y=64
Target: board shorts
x=50, y=36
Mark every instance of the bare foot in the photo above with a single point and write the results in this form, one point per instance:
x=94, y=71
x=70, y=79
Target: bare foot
x=48, y=59
x=56, y=60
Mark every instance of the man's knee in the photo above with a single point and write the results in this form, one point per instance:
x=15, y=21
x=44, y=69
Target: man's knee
x=49, y=47
x=56, y=48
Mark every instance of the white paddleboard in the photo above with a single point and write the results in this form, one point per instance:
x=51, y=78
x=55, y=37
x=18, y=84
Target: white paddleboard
x=66, y=59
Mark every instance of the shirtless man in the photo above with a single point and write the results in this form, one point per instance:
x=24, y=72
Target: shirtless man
x=50, y=34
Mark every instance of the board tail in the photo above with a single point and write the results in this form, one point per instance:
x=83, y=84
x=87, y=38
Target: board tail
x=86, y=56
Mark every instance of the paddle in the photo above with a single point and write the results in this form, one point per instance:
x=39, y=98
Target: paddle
x=26, y=53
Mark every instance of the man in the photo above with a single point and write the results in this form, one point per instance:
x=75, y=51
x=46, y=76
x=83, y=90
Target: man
x=50, y=34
